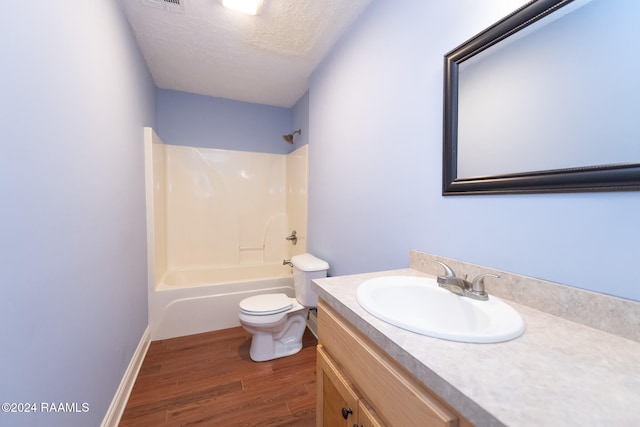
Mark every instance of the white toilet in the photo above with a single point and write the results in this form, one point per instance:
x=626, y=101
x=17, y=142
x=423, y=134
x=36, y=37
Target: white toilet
x=277, y=321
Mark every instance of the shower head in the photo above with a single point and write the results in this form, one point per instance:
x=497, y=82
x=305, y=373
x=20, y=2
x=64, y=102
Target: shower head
x=289, y=137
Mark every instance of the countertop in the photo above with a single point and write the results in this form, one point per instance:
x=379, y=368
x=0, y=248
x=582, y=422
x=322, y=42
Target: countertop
x=558, y=373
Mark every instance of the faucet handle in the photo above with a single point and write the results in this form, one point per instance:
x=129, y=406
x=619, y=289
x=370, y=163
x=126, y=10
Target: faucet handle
x=448, y=272
x=478, y=282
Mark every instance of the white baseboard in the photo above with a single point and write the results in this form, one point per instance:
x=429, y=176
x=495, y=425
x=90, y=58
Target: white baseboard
x=312, y=322
x=119, y=402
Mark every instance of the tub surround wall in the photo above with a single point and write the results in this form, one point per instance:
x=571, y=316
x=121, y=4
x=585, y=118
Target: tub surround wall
x=297, y=198
x=220, y=207
x=156, y=184
x=224, y=207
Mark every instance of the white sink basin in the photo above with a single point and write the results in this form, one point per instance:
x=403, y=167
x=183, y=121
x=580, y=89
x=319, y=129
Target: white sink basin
x=419, y=305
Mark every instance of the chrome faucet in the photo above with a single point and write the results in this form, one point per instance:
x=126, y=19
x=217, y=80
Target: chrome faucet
x=462, y=287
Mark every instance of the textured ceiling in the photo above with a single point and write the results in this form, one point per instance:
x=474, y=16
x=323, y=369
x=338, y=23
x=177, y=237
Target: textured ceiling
x=207, y=49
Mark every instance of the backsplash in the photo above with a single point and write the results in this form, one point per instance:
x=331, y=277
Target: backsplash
x=604, y=312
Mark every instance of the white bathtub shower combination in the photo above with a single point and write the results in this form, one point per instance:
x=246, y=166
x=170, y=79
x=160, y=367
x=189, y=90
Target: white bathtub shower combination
x=192, y=301
x=217, y=222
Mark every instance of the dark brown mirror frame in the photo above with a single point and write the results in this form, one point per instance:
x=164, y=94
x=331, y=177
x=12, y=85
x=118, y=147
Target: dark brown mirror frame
x=612, y=177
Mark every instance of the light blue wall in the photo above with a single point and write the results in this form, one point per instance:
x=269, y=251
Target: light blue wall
x=203, y=121
x=75, y=95
x=300, y=120
x=375, y=108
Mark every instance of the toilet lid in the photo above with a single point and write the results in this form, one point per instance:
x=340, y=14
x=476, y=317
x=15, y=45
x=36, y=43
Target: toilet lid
x=266, y=304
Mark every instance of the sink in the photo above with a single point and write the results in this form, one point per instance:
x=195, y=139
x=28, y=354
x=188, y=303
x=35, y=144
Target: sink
x=419, y=305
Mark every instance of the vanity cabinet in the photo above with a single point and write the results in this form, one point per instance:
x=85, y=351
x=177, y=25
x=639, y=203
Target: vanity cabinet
x=340, y=404
x=358, y=378
x=367, y=416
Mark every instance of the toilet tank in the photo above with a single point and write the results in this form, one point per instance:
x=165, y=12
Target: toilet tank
x=306, y=267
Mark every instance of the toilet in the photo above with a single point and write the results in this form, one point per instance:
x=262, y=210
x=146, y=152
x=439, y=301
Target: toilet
x=278, y=321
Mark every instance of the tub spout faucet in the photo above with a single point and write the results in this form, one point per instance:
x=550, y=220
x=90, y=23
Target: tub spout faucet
x=287, y=262
x=462, y=287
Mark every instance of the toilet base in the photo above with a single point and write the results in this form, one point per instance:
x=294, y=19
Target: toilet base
x=279, y=341
x=263, y=348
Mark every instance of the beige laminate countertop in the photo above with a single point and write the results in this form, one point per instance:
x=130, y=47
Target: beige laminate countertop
x=558, y=373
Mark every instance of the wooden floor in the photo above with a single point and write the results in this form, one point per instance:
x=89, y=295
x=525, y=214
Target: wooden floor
x=209, y=380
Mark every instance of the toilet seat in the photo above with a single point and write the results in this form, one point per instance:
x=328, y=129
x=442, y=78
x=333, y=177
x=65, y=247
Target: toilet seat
x=275, y=309
x=266, y=304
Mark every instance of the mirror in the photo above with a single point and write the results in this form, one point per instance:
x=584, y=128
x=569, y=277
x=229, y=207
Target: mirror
x=545, y=100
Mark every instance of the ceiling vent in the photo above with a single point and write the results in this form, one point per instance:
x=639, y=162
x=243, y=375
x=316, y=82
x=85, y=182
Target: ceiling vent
x=176, y=6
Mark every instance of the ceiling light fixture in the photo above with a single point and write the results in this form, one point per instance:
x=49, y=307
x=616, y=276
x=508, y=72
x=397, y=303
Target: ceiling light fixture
x=250, y=7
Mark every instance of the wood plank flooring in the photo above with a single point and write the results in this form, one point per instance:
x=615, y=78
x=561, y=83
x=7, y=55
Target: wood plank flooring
x=209, y=380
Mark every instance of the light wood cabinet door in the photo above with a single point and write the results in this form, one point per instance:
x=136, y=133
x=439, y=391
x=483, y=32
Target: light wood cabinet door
x=397, y=396
x=367, y=417
x=337, y=399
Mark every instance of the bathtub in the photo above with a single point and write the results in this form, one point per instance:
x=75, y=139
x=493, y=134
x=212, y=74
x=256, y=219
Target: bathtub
x=186, y=302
